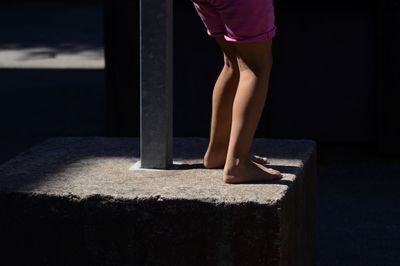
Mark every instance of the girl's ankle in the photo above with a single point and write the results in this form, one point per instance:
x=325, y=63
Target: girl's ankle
x=236, y=163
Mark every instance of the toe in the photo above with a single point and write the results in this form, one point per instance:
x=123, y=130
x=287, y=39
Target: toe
x=277, y=174
x=259, y=159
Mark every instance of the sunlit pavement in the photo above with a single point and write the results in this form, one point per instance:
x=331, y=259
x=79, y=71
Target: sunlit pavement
x=51, y=72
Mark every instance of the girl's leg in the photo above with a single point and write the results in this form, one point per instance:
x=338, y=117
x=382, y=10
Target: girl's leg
x=222, y=102
x=255, y=63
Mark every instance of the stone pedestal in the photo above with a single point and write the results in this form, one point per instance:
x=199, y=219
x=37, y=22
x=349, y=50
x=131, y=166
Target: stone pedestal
x=76, y=201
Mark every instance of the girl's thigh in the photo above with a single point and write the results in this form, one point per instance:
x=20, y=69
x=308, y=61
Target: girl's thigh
x=256, y=56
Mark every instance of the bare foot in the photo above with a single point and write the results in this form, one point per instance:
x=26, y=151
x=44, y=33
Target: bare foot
x=247, y=171
x=216, y=160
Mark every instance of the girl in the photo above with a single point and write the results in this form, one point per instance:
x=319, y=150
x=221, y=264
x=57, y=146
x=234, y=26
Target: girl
x=244, y=30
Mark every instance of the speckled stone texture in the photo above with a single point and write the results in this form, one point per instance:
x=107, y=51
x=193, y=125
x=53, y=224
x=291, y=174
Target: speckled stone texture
x=76, y=201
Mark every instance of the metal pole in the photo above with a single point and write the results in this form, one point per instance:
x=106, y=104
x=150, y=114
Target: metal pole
x=156, y=81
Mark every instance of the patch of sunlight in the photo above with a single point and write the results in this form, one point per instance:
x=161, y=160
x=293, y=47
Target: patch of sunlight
x=48, y=57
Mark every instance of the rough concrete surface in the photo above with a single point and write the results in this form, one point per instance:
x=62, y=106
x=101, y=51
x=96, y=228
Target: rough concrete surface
x=77, y=198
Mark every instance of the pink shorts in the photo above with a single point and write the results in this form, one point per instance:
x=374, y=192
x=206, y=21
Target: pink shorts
x=238, y=20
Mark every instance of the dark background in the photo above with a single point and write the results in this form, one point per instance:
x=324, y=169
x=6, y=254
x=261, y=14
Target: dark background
x=334, y=80
x=326, y=82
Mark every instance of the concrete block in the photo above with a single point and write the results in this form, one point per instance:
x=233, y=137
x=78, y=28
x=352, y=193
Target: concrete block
x=75, y=201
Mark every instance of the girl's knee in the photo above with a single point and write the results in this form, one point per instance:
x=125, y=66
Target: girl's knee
x=229, y=53
x=231, y=63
